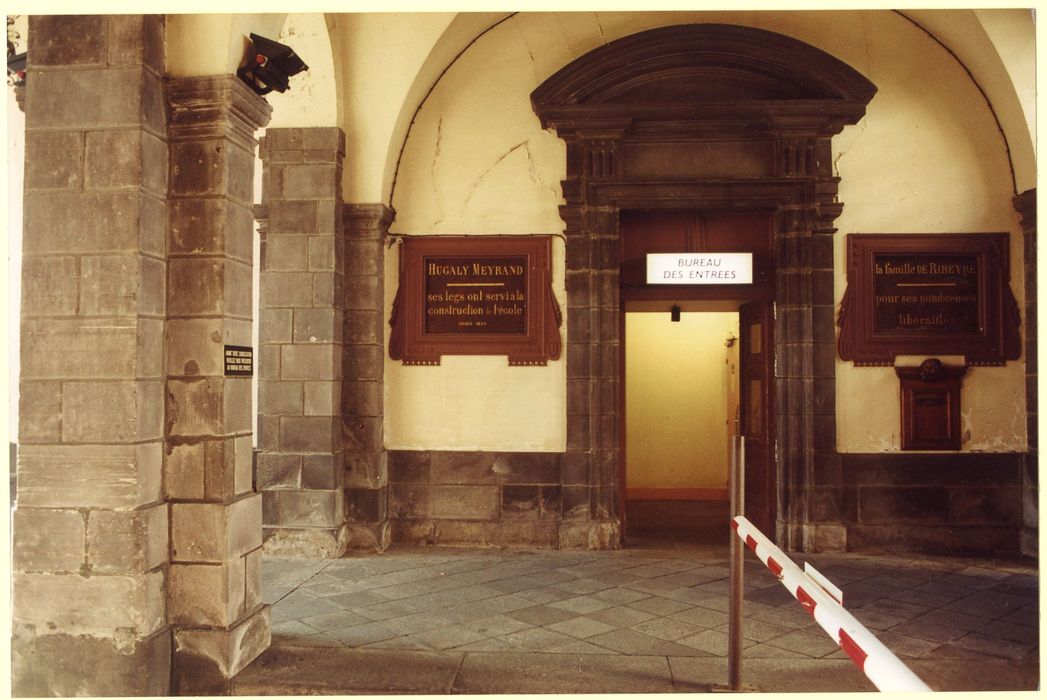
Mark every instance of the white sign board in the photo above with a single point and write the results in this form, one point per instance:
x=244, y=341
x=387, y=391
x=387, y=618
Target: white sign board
x=699, y=268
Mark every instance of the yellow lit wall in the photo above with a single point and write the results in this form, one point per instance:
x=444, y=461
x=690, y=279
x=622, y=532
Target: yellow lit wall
x=676, y=400
x=928, y=157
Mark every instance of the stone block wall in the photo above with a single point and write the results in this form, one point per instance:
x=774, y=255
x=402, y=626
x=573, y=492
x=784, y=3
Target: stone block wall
x=300, y=464
x=91, y=526
x=478, y=498
x=943, y=503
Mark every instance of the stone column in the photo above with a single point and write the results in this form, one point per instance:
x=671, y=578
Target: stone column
x=91, y=527
x=366, y=461
x=302, y=448
x=214, y=597
x=1025, y=205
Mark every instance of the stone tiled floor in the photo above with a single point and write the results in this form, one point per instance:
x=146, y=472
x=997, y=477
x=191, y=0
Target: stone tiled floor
x=654, y=603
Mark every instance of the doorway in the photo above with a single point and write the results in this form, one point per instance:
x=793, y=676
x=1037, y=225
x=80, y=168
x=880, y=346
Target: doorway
x=697, y=368
x=681, y=410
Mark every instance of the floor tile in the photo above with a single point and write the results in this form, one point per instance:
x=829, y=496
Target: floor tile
x=580, y=627
x=448, y=637
x=656, y=605
x=359, y=635
x=1021, y=634
x=621, y=596
x=631, y=642
x=536, y=639
x=540, y=615
x=333, y=620
x=701, y=617
x=384, y=611
x=667, y=628
x=620, y=616
x=988, y=604
x=929, y=631
x=496, y=625
x=581, y=605
x=579, y=647
x=814, y=644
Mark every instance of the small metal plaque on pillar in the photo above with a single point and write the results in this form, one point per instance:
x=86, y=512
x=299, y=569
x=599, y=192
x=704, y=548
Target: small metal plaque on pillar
x=475, y=295
x=930, y=406
x=239, y=361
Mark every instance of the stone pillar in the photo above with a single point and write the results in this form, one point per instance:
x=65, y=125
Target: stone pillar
x=366, y=461
x=1025, y=205
x=302, y=448
x=810, y=480
x=214, y=596
x=91, y=527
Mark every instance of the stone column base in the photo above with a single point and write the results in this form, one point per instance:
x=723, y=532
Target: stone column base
x=307, y=543
x=66, y=665
x=207, y=659
x=591, y=534
x=370, y=537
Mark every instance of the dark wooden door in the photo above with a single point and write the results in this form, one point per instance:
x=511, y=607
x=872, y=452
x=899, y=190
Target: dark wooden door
x=756, y=402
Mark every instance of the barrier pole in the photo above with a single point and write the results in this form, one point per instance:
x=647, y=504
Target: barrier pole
x=737, y=567
x=880, y=665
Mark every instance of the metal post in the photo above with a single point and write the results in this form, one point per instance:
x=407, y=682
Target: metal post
x=734, y=628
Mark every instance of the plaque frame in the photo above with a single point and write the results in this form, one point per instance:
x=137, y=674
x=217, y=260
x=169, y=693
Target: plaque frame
x=994, y=337
x=535, y=343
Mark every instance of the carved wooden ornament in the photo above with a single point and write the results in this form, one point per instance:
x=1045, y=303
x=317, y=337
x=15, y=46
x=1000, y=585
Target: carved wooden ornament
x=928, y=294
x=475, y=295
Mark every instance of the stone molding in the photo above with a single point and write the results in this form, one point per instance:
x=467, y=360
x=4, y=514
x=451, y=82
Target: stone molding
x=215, y=106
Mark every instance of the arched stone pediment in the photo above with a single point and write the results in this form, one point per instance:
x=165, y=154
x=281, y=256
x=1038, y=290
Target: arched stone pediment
x=702, y=71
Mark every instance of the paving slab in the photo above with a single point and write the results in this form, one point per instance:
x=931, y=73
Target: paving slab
x=300, y=670
x=563, y=673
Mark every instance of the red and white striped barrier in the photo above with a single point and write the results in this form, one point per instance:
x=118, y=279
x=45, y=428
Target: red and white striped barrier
x=882, y=667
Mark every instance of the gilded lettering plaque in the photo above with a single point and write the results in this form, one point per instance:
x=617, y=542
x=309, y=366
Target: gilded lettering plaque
x=928, y=294
x=475, y=295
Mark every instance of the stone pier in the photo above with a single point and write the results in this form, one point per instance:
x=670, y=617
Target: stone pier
x=214, y=599
x=91, y=526
x=300, y=463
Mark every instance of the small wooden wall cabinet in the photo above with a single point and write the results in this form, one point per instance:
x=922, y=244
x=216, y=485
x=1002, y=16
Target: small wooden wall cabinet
x=930, y=405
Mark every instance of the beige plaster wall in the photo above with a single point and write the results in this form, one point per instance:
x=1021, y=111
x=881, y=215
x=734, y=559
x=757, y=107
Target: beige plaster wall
x=214, y=44
x=311, y=99
x=928, y=157
x=676, y=399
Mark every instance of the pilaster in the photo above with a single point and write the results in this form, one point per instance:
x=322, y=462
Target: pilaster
x=304, y=294
x=366, y=461
x=90, y=526
x=214, y=589
x=1025, y=205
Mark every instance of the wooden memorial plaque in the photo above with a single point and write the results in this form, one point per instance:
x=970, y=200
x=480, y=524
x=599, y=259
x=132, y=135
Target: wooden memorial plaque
x=475, y=295
x=928, y=294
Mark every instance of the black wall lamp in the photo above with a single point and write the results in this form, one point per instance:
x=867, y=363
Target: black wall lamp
x=270, y=66
x=674, y=313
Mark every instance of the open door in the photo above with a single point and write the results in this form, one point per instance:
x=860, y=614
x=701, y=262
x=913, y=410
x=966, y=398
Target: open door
x=756, y=406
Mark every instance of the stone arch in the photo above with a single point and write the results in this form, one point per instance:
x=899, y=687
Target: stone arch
x=638, y=115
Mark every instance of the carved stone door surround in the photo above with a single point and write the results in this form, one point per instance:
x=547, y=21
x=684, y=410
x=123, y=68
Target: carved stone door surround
x=704, y=117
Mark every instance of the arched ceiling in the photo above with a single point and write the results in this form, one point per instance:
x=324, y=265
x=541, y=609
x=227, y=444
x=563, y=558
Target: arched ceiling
x=996, y=47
